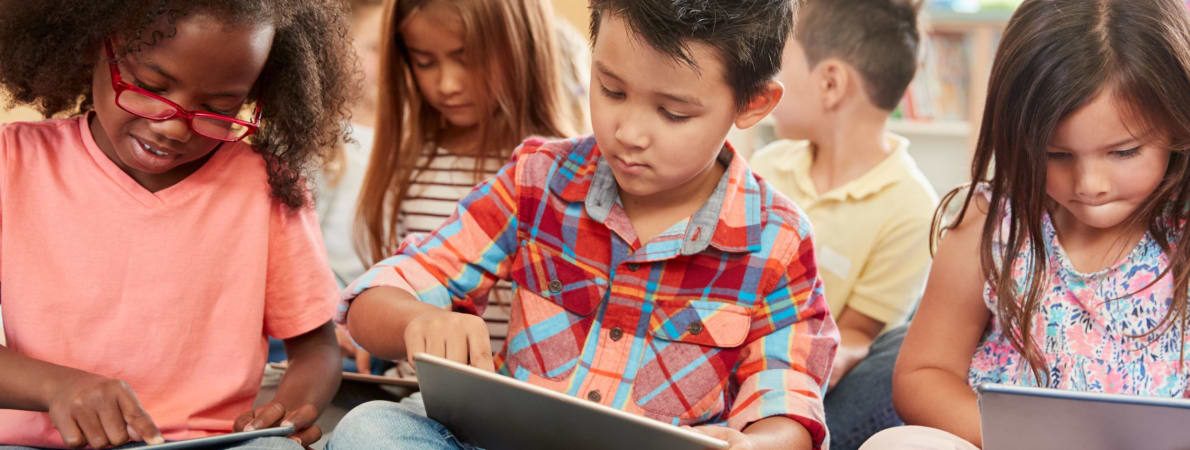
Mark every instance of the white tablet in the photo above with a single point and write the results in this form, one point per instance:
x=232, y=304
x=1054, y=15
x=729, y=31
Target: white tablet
x=1024, y=418
x=409, y=382
x=224, y=439
x=501, y=413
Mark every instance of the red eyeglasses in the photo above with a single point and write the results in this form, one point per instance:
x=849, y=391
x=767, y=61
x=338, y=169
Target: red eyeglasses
x=140, y=102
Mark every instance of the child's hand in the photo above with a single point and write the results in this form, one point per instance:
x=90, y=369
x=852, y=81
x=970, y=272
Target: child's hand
x=100, y=412
x=455, y=336
x=273, y=414
x=363, y=361
x=346, y=345
x=735, y=439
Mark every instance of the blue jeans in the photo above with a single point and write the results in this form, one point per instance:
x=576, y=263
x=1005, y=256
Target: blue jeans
x=861, y=404
x=266, y=443
x=389, y=425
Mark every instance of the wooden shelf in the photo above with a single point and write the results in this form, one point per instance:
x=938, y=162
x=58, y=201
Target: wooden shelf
x=945, y=128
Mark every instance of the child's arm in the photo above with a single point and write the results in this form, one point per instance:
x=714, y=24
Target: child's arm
x=773, y=432
x=786, y=359
x=930, y=385
x=392, y=323
x=87, y=409
x=889, y=282
x=314, y=358
x=427, y=296
x=856, y=333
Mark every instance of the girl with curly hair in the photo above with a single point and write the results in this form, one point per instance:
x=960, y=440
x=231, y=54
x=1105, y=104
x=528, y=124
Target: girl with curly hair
x=158, y=229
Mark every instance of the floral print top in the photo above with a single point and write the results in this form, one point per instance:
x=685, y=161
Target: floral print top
x=1091, y=326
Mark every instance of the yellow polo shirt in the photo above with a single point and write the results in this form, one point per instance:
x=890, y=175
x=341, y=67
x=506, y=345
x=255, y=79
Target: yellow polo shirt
x=871, y=235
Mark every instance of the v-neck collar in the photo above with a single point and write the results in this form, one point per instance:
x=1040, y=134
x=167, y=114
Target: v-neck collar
x=178, y=192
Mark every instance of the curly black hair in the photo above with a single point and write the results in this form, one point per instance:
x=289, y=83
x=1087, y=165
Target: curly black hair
x=48, y=49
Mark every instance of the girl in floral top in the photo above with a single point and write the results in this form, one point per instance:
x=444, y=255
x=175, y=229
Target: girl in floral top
x=1076, y=213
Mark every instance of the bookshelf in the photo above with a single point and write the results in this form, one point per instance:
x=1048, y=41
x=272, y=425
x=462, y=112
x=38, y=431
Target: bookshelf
x=947, y=97
x=941, y=111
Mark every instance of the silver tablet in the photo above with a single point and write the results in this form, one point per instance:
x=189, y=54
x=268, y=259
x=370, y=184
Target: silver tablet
x=222, y=440
x=1024, y=418
x=501, y=413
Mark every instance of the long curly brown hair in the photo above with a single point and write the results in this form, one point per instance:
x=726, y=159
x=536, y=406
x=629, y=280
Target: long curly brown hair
x=48, y=49
x=1054, y=58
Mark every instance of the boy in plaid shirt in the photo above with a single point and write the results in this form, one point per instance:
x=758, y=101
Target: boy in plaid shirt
x=653, y=272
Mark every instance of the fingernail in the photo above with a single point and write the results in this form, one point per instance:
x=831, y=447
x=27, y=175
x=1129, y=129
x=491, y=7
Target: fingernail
x=156, y=440
x=249, y=427
x=286, y=424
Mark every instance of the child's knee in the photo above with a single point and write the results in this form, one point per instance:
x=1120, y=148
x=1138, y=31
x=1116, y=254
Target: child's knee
x=381, y=421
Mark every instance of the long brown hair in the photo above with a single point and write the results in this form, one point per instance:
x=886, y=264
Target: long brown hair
x=1055, y=57
x=514, y=62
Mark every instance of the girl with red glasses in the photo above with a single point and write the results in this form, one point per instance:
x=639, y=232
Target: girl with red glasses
x=158, y=229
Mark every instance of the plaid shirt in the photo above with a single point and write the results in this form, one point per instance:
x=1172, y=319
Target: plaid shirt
x=719, y=320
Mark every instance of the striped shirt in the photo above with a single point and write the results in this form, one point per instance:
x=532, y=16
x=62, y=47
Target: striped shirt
x=437, y=189
x=432, y=198
x=719, y=320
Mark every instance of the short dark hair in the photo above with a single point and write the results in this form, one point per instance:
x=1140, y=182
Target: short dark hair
x=879, y=38
x=749, y=35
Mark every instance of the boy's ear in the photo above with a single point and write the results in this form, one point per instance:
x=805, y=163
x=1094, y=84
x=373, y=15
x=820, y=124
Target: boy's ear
x=834, y=80
x=760, y=105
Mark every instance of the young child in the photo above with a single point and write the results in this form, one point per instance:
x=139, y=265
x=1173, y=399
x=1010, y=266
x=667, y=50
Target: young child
x=653, y=272
x=843, y=74
x=461, y=83
x=455, y=82
x=156, y=236
x=1077, y=216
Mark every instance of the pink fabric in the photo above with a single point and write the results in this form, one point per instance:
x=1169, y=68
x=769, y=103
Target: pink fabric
x=173, y=292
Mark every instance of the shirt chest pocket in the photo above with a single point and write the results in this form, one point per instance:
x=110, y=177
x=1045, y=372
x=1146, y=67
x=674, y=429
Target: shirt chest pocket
x=556, y=299
x=692, y=350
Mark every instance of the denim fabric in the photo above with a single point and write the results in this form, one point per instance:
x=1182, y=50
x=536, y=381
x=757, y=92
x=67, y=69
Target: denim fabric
x=861, y=404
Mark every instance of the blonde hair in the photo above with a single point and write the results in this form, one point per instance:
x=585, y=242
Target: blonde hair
x=513, y=60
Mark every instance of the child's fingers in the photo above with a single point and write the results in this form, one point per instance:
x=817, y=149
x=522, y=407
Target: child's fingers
x=436, y=344
x=735, y=439
x=363, y=361
x=71, y=434
x=302, y=420
x=114, y=427
x=88, y=421
x=242, y=421
x=137, y=420
x=266, y=416
x=415, y=343
x=480, y=349
x=308, y=436
x=133, y=435
x=456, y=347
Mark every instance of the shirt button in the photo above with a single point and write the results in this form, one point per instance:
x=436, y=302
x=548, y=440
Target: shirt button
x=594, y=396
x=633, y=267
x=695, y=328
x=555, y=286
x=616, y=333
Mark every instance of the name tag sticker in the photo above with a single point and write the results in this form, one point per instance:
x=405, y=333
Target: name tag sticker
x=833, y=261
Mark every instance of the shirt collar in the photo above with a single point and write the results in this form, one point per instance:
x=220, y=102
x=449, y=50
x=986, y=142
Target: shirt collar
x=730, y=220
x=885, y=174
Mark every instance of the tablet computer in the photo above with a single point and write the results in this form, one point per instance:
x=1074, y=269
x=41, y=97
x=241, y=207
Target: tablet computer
x=496, y=412
x=223, y=440
x=1014, y=417
x=409, y=382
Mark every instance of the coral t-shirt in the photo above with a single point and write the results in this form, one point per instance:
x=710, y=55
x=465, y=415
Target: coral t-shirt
x=173, y=292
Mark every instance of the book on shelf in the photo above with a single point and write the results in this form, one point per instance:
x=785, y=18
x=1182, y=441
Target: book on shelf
x=941, y=89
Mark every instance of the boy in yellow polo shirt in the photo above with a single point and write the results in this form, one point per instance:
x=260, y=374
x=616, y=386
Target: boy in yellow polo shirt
x=869, y=204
